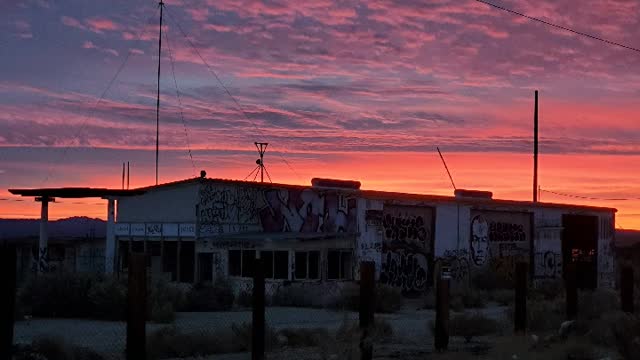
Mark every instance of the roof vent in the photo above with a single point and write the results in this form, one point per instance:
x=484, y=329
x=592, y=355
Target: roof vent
x=473, y=194
x=335, y=184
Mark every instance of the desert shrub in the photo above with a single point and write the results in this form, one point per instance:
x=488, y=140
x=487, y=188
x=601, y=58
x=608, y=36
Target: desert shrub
x=502, y=297
x=108, y=299
x=172, y=343
x=456, y=304
x=469, y=325
x=614, y=329
x=547, y=290
x=592, y=304
x=163, y=313
x=216, y=297
x=488, y=279
x=380, y=331
x=162, y=292
x=468, y=299
x=347, y=300
x=244, y=299
x=429, y=301
x=59, y=295
x=294, y=296
x=582, y=351
x=52, y=348
x=543, y=315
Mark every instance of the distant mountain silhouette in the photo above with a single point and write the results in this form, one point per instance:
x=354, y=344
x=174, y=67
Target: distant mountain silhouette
x=73, y=227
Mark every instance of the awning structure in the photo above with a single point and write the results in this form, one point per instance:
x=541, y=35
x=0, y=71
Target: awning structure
x=47, y=195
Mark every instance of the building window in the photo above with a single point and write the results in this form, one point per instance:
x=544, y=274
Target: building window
x=241, y=262
x=307, y=265
x=339, y=265
x=276, y=264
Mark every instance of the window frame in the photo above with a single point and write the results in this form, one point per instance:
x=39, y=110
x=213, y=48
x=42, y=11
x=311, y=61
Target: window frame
x=341, y=276
x=308, y=265
x=273, y=264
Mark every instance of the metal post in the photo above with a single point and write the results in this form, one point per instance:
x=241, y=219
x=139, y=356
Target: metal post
x=572, y=291
x=626, y=289
x=7, y=297
x=442, y=314
x=136, y=307
x=535, y=149
x=110, y=248
x=158, y=97
x=521, y=297
x=367, y=307
x=258, y=321
x=43, y=252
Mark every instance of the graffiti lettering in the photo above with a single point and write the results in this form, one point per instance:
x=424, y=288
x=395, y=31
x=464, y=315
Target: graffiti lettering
x=406, y=271
x=405, y=228
x=501, y=231
x=548, y=265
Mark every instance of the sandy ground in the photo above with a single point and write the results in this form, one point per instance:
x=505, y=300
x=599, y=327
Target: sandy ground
x=108, y=338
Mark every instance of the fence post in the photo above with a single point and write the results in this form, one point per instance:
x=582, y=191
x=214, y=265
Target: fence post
x=521, y=297
x=137, y=306
x=258, y=322
x=7, y=297
x=572, y=291
x=442, y=312
x=626, y=289
x=367, y=307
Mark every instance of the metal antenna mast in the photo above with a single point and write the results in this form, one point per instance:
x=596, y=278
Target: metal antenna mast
x=445, y=166
x=161, y=4
x=260, y=169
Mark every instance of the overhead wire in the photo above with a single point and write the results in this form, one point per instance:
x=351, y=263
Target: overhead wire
x=548, y=23
x=224, y=87
x=588, y=197
x=184, y=123
x=95, y=106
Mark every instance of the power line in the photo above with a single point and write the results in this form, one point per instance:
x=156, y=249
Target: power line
x=559, y=26
x=588, y=197
x=95, y=105
x=215, y=75
x=184, y=123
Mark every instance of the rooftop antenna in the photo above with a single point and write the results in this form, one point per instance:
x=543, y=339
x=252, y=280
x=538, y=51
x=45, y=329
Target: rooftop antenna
x=446, y=168
x=535, y=149
x=161, y=4
x=260, y=169
x=123, y=175
x=127, y=175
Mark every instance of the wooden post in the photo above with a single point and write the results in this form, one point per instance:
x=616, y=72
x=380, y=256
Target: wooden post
x=367, y=307
x=136, y=306
x=442, y=314
x=626, y=289
x=572, y=291
x=521, y=297
x=7, y=297
x=258, y=324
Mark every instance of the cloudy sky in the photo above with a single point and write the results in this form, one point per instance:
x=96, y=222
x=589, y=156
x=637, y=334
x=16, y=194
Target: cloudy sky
x=359, y=90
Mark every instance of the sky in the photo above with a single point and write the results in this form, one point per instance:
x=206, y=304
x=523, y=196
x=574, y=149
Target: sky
x=362, y=90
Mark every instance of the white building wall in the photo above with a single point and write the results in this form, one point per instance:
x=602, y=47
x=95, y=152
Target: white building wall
x=169, y=205
x=369, y=244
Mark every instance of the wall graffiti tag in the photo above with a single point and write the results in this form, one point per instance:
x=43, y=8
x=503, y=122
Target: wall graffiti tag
x=458, y=263
x=548, y=265
x=407, y=247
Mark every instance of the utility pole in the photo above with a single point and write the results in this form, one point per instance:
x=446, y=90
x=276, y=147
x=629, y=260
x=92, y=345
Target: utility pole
x=535, y=149
x=161, y=4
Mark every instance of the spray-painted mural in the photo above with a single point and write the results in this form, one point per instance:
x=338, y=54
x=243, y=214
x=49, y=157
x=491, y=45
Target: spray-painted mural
x=500, y=239
x=407, y=248
x=237, y=209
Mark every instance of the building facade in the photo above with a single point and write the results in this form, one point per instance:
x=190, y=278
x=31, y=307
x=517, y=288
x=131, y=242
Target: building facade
x=199, y=230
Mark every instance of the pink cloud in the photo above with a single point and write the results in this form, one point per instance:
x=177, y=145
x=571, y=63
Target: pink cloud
x=71, y=22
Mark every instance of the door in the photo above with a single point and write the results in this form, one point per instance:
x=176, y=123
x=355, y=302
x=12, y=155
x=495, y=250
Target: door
x=205, y=267
x=580, y=246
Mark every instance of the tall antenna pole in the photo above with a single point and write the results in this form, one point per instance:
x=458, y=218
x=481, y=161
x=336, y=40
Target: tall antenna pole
x=158, y=98
x=127, y=175
x=535, y=149
x=123, y=175
x=446, y=168
x=262, y=148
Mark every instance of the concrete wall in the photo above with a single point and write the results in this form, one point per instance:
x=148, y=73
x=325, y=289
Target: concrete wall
x=172, y=205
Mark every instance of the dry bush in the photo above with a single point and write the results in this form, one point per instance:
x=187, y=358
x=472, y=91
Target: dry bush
x=244, y=299
x=542, y=315
x=429, y=300
x=296, y=297
x=502, y=297
x=204, y=298
x=547, y=290
x=303, y=337
x=387, y=299
x=53, y=348
x=470, y=325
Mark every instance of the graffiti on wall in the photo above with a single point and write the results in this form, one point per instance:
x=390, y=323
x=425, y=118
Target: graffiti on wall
x=458, y=263
x=40, y=261
x=225, y=209
x=407, y=247
x=548, y=265
x=499, y=240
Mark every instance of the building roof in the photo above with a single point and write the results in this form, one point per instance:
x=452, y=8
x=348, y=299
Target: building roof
x=75, y=192
x=388, y=195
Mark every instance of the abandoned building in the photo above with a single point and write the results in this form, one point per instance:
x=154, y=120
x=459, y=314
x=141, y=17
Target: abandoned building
x=199, y=230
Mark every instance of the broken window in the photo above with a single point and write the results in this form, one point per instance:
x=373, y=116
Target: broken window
x=307, y=265
x=235, y=263
x=339, y=265
x=276, y=264
x=241, y=262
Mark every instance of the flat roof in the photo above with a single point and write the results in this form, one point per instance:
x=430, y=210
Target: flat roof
x=76, y=192
x=390, y=195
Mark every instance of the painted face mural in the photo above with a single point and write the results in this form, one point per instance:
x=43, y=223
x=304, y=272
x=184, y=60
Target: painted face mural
x=479, y=240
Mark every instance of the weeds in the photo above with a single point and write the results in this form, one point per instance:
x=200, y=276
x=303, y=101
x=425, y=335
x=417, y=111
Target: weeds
x=470, y=325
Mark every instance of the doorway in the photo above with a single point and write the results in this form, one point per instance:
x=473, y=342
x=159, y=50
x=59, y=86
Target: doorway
x=205, y=267
x=580, y=246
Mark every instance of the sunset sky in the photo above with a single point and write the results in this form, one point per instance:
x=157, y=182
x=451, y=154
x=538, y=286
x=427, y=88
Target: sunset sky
x=354, y=90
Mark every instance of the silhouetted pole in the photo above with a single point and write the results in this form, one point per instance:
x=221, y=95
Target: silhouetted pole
x=258, y=323
x=626, y=289
x=442, y=313
x=521, y=297
x=7, y=297
x=367, y=307
x=535, y=149
x=572, y=291
x=136, y=306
